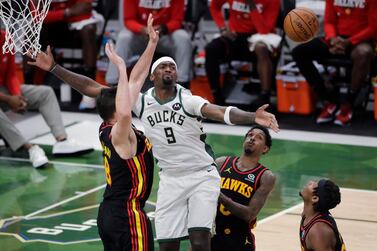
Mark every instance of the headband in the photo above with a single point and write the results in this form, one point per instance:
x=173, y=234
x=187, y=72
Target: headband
x=162, y=60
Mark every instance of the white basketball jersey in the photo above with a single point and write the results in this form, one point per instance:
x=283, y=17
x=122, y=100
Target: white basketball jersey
x=175, y=130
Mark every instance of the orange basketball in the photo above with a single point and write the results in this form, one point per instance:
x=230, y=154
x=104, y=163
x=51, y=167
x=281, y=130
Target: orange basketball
x=301, y=24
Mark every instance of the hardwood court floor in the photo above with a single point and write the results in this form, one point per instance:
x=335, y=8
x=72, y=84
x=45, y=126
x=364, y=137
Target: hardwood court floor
x=355, y=216
x=66, y=194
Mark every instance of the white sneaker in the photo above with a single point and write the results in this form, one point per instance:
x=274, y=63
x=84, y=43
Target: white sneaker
x=70, y=147
x=87, y=103
x=37, y=156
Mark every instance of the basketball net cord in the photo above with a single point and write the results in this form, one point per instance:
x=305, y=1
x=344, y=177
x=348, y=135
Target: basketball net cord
x=23, y=22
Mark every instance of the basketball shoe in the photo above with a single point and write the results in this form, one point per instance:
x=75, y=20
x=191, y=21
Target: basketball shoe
x=344, y=115
x=69, y=147
x=87, y=103
x=37, y=156
x=327, y=113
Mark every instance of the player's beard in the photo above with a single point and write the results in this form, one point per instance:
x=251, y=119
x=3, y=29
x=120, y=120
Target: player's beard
x=167, y=81
x=247, y=152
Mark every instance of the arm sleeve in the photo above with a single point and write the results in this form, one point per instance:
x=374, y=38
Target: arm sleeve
x=11, y=81
x=330, y=21
x=216, y=13
x=138, y=106
x=130, y=20
x=193, y=104
x=370, y=31
x=175, y=23
x=265, y=22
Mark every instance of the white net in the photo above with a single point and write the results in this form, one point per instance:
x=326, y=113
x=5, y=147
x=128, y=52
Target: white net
x=23, y=22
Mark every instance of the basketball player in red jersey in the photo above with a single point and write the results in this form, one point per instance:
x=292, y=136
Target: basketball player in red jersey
x=246, y=17
x=67, y=22
x=245, y=186
x=318, y=229
x=350, y=30
x=174, y=41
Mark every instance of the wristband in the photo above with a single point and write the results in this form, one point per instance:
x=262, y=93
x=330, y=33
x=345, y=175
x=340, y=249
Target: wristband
x=53, y=67
x=226, y=115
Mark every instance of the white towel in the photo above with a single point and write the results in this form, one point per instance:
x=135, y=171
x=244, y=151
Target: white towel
x=95, y=18
x=271, y=40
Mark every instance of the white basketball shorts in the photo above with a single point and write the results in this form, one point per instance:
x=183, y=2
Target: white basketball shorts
x=186, y=202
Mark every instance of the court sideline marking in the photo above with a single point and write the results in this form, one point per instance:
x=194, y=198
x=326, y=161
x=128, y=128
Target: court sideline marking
x=56, y=162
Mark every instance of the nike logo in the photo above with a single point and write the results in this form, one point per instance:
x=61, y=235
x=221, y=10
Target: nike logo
x=150, y=103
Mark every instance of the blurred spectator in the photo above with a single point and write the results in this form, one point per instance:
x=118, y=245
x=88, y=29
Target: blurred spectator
x=19, y=98
x=246, y=18
x=69, y=21
x=174, y=41
x=349, y=34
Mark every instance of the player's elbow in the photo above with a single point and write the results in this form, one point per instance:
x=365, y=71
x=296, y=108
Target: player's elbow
x=124, y=114
x=250, y=217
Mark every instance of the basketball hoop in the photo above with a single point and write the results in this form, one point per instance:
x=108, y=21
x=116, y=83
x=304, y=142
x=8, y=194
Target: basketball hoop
x=23, y=22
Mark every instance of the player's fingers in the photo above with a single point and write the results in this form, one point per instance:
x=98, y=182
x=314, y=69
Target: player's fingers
x=263, y=107
x=29, y=55
x=150, y=20
x=275, y=128
x=23, y=98
x=49, y=53
x=273, y=125
x=273, y=118
x=108, y=49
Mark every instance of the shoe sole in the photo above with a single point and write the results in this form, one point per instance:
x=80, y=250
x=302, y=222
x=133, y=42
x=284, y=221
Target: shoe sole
x=322, y=121
x=40, y=164
x=339, y=123
x=72, y=154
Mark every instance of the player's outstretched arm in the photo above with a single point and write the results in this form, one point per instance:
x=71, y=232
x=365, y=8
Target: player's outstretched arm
x=249, y=213
x=141, y=69
x=82, y=84
x=234, y=116
x=123, y=137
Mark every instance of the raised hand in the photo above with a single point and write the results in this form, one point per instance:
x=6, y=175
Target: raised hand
x=266, y=119
x=43, y=60
x=113, y=56
x=151, y=30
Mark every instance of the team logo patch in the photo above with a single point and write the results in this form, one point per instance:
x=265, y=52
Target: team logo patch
x=177, y=106
x=250, y=177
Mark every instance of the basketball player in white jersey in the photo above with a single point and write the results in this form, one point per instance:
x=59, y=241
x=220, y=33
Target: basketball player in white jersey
x=189, y=183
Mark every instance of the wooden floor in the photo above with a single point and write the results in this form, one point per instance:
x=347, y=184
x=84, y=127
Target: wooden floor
x=295, y=158
x=356, y=217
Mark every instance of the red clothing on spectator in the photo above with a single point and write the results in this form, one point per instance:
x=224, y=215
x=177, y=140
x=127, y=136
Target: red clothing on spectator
x=56, y=11
x=261, y=20
x=168, y=12
x=352, y=19
x=8, y=74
